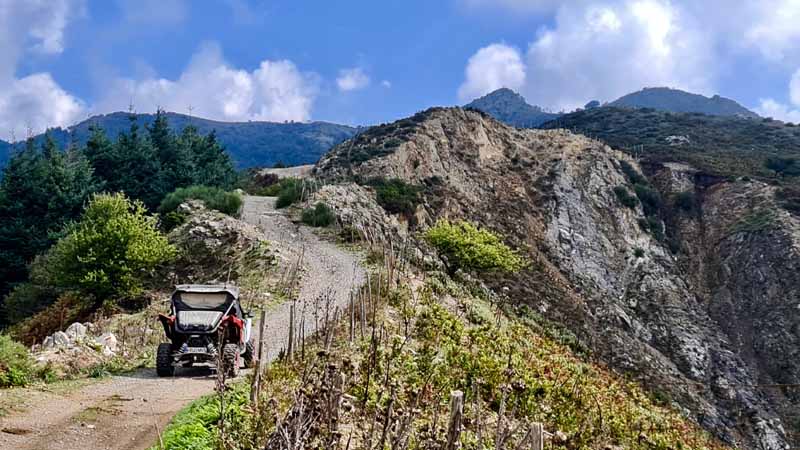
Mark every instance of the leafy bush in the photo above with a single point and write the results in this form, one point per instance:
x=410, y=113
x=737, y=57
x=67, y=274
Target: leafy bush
x=229, y=203
x=289, y=191
x=638, y=252
x=650, y=198
x=16, y=366
x=783, y=165
x=321, y=215
x=108, y=252
x=632, y=174
x=462, y=245
x=685, y=201
x=396, y=196
x=625, y=197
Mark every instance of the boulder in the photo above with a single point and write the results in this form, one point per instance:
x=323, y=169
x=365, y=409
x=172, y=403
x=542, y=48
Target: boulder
x=108, y=342
x=76, y=332
x=61, y=339
x=48, y=343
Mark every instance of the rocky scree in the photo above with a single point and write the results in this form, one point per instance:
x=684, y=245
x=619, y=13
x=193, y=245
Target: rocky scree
x=704, y=329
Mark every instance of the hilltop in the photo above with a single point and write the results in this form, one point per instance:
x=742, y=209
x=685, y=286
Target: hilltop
x=654, y=271
x=723, y=146
x=250, y=144
x=675, y=100
x=511, y=108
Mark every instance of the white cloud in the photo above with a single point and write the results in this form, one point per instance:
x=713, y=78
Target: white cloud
x=352, y=79
x=387, y=84
x=769, y=107
x=275, y=91
x=35, y=101
x=491, y=68
x=600, y=51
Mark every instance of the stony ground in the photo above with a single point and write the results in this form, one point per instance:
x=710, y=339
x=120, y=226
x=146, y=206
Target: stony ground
x=125, y=412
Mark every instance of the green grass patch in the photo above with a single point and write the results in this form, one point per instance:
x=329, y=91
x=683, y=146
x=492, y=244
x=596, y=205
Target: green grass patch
x=321, y=215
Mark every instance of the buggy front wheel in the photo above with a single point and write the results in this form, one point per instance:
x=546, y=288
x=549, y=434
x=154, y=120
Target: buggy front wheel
x=249, y=355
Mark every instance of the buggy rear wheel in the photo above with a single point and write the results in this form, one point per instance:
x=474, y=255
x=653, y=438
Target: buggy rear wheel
x=230, y=360
x=249, y=355
x=164, y=366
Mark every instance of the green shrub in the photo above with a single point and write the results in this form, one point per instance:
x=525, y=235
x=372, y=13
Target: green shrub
x=16, y=365
x=321, y=215
x=109, y=251
x=650, y=198
x=631, y=173
x=462, y=245
x=638, y=252
x=396, y=196
x=229, y=203
x=624, y=196
x=685, y=201
x=289, y=191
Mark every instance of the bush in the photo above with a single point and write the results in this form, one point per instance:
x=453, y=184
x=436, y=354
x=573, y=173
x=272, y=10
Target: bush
x=638, y=252
x=16, y=366
x=685, y=201
x=396, y=196
x=633, y=176
x=650, y=198
x=289, y=191
x=110, y=250
x=625, y=197
x=462, y=245
x=321, y=215
x=229, y=203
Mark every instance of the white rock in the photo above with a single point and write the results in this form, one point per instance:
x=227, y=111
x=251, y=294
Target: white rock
x=76, y=332
x=108, y=341
x=48, y=343
x=61, y=339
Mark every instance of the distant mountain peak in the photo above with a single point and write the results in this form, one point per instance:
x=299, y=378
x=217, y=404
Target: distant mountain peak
x=511, y=108
x=676, y=100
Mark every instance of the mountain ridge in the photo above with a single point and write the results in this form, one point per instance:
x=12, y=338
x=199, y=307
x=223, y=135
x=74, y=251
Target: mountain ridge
x=511, y=108
x=678, y=101
x=251, y=144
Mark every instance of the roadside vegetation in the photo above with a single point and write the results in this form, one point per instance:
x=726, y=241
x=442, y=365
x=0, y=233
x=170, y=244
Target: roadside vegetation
x=463, y=245
x=386, y=377
x=226, y=202
x=44, y=188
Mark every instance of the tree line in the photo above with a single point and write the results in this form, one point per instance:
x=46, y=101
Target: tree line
x=44, y=188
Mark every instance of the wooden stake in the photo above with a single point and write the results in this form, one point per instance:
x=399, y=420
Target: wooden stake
x=456, y=414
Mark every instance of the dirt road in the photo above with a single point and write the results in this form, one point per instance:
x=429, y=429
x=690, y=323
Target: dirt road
x=124, y=412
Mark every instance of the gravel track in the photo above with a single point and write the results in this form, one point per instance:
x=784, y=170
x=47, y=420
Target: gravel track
x=123, y=412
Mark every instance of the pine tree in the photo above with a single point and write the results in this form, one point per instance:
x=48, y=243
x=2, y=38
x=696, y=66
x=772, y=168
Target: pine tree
x=213, y=166
x=177, y=164
x=138, y=169
x=41, y=190
x=100, y=153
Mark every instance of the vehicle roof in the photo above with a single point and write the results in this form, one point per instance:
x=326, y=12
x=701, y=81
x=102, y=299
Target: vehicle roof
x=207, y=288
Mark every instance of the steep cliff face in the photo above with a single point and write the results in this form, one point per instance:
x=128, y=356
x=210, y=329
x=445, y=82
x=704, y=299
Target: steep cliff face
x=707, y=327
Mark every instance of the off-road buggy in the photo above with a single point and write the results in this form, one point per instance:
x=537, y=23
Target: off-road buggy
x=205, y=320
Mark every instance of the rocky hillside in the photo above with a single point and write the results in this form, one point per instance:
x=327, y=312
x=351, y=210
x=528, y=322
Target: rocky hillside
x=686, y=283
x=511, y=108
x=250, y=144
x=675, y=100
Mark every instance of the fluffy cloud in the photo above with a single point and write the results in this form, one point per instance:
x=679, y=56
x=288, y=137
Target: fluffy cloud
x=352, y=79
x=603, y=49
x=788, y=113
x=492, y=67
x=275, y=91
x=36, y=101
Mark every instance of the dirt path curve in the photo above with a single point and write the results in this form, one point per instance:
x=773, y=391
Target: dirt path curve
x=122, y=412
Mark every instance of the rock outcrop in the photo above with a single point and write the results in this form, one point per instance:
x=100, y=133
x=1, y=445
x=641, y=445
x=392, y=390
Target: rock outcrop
x=214, y=247
x=710, y=322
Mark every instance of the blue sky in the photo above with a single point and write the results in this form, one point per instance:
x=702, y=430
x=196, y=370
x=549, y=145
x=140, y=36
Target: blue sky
x=363, y=62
